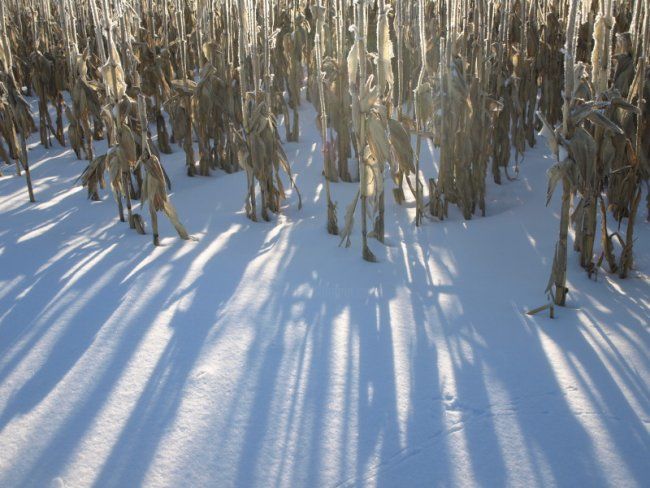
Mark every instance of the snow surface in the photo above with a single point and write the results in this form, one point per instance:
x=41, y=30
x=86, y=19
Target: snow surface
x=266, y=355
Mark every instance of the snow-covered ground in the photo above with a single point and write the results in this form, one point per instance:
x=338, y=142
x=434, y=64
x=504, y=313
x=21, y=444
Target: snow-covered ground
x=265, y=355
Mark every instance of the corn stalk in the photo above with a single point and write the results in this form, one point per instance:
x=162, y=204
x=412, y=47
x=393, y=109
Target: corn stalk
x=332, y=226
x=16, y=128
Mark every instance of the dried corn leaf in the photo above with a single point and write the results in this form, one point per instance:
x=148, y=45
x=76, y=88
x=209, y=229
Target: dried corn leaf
x=600, y=119
x=117, y=89
x=353, y=65
x=401, y=144
x=555, y=174
x=582, y=150
x=349, y=221
x=377, y=139
x=549, y=134
x=127, y=144
x=370, y=188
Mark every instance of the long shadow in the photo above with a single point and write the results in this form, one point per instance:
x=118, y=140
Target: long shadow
x=353, y=420
x=18, y=335
x=524, y=409
x=62, y=446
x=484, y=357
x=70, y=344
x=505, y=354
x=302, y=367
x=158, y=405
x=425, y=429
x=266, y=356
x=378, y=425
x=630, y=436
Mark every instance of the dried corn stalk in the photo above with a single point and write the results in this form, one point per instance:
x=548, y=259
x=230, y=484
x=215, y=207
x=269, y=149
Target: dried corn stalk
x=154, y=192
x=332, y=226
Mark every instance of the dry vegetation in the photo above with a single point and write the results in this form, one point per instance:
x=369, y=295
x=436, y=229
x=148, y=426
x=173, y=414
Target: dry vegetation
x=477, y=78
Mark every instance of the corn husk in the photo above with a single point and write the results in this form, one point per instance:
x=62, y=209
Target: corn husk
x=127, y=145
x=402, y=151
x=120, y=84
x=385, y=54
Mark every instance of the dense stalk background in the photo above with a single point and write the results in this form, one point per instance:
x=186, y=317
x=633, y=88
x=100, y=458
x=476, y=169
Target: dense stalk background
x=475, y=78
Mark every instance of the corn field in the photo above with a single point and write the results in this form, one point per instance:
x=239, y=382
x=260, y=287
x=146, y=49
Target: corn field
x=319, y=243
x=475, y=79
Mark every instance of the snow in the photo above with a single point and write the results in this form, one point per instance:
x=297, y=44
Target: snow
x=265, y=355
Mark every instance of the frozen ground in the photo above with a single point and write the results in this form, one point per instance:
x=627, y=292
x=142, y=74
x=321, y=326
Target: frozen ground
x=265, y=355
